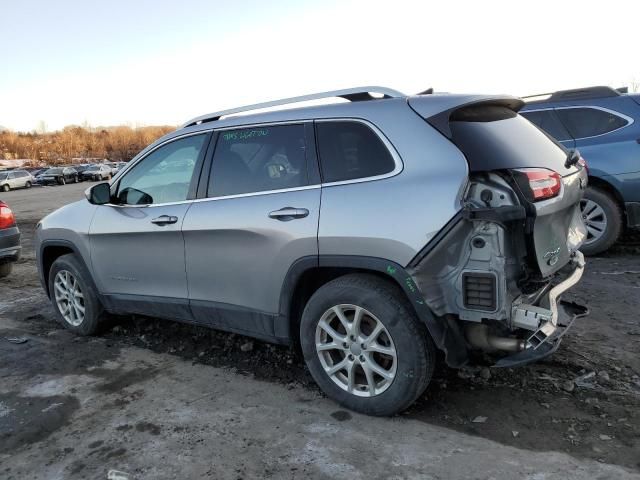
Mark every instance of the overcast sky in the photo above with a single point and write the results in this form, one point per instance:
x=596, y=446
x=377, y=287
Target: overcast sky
x=162, y=62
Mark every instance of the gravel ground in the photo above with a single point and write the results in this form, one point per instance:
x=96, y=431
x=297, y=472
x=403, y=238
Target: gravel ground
x=582, y=402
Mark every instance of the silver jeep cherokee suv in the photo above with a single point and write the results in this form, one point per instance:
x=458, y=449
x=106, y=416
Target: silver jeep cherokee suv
x=372, y=232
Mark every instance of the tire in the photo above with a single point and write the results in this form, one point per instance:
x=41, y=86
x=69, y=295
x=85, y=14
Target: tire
x=75, y=179
x=6, y=187
x=385, y=304
x=62, y=181
x=598, y=206
x=71, y=269
x=5, y=269
x=27, y=184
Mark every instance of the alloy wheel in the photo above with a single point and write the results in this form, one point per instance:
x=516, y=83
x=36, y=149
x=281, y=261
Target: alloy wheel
x=594, y=219
x=69, y=297
x=356, y=350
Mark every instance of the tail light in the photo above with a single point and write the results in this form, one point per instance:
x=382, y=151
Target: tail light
x=538, y=183
x=7, y=218
x=583, y=163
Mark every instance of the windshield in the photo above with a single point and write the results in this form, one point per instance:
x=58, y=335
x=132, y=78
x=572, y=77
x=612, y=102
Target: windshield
x=53, y=171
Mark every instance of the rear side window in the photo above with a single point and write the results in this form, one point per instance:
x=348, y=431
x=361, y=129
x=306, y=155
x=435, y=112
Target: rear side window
x=508, y=142
x=588, y=122
x=547, y=121
x=258, y=159
x=350, y=150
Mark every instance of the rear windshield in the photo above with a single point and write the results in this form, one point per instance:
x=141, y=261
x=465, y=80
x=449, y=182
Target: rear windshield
x=496, y=138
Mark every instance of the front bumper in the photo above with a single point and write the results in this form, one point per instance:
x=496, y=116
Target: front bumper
x=48, y=181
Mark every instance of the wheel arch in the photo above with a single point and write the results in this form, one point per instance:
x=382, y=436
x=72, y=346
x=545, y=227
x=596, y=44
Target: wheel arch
x=609, y=188
x=308, y=274
x=50, y=251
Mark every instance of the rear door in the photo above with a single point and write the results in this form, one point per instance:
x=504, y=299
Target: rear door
x=137, y=249
x=259, y=215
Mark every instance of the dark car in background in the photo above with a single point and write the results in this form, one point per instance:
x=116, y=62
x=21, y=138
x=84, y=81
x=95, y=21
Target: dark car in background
x=602, y=123
x=97, y=173
x=58, y=175
x=80, y=168
x=9, y=240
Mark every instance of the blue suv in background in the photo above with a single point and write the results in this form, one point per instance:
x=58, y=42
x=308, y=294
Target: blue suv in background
x=604, y=125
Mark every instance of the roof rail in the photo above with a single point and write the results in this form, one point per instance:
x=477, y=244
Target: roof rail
x=575, y=94
x=355, y=94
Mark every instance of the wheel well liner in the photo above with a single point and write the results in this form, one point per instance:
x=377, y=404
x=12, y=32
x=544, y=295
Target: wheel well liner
x=309, y=273
x=598, y=182
x=50, y=250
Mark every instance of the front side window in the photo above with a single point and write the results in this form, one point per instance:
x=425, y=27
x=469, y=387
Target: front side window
x=258, y=159
x=547, y=121
x=588, y=122
x=350, y=150
x=164, y=175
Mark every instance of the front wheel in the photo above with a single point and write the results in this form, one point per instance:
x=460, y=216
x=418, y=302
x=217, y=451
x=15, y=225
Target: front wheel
x=603, y=218
x=75, y=179
x=62, y=181
x=6, y=188
x=73, y=296
x=364, y=345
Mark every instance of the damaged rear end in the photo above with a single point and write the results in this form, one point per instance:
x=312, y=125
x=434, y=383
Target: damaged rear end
x=496, y=272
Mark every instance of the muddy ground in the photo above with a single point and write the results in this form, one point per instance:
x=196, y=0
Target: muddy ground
x=583, y=403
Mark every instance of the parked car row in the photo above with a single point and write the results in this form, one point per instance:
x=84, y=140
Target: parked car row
x=23, y=178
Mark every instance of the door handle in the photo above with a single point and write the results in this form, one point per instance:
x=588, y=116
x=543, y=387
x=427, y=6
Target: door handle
x=288, y=213
x=163, y=220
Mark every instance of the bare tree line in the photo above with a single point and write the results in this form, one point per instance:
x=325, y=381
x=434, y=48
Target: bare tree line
x=73, y=142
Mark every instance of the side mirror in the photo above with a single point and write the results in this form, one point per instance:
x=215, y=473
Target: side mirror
x=99, y=194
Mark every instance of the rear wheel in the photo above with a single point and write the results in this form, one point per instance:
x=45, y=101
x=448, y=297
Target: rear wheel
x=73, y=297
x=364, y=345
x=27, y=184
x=75, y=179
x=603, y=218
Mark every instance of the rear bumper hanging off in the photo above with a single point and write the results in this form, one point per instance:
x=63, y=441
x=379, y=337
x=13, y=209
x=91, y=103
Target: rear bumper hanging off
x=567, y=313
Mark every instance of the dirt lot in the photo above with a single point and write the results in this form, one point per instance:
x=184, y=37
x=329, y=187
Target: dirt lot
x=157, y=399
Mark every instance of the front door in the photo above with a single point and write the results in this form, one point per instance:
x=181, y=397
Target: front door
x=137, y=248
x=260, y=216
